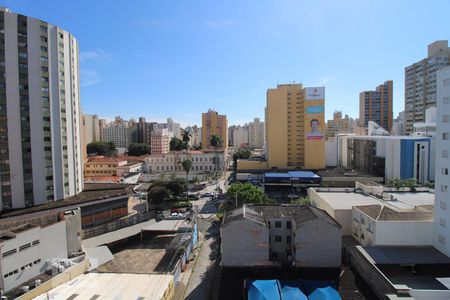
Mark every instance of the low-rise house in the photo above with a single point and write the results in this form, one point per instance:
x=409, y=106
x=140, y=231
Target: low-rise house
x=382, y=225
x=270, y=235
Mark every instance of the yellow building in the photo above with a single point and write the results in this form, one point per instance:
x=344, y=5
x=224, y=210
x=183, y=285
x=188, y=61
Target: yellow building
x=295, y=128
x=214, y=124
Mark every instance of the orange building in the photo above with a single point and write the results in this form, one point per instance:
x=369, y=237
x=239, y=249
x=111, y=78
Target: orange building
x=214, y=124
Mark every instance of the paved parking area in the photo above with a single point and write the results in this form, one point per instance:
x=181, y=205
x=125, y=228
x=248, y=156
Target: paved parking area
x=140, y=257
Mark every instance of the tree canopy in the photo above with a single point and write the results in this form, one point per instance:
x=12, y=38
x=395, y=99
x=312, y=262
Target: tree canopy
x=187, y=165
x=186, y=136
x=247, y=193
x=216, y=141
x=138, y=149
x=166, y=190
x=176, y=144
x=101, y=148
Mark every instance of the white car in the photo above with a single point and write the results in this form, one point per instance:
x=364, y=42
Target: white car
x=176, y=214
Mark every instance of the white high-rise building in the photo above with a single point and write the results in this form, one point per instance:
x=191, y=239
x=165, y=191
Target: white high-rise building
x=240, y=136
x=40, y=143
x=121, y=135
x=441, y=233
x=256, y=134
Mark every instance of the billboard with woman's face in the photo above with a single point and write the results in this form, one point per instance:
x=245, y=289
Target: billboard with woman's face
x=314, y=120
x=314, y=124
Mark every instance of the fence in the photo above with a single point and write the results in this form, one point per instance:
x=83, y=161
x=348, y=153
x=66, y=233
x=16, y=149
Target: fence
x=115, y=225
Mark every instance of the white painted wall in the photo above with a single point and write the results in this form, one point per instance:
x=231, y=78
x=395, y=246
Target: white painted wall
x=331, y=152
x=52, y=244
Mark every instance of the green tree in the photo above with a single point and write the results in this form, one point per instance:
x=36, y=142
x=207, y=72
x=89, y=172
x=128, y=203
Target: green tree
x=240, y=154
x=176, y=186
x=395, y=182
x=101, y=148
x=158, y=193
x=301, y=201
x=429, y=185
x=216, y=142
x=176, y=144
x=186, y=137
x=187, y=165
x=247, y=193
x=138, y=149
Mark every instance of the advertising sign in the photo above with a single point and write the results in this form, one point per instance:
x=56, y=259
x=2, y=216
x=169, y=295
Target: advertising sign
x=314, y=122
x=314, y=93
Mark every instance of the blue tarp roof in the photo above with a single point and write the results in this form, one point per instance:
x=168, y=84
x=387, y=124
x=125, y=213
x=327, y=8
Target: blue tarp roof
x=264, y=290
x=291, y=292
x=325, y=293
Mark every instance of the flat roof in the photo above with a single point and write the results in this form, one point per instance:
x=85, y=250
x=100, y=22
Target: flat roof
x=277, y=175
x=402, y=255
x=409, y=199
x=343, y=200
x=303, y=174
x=112, y=286
x=404, y=200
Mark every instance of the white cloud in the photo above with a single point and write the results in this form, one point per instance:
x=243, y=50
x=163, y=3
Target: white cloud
x=89, y=77
x=95, y=56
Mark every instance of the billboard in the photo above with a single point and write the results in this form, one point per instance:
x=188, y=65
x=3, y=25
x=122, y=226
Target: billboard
x=314, y=93
x=314, y=126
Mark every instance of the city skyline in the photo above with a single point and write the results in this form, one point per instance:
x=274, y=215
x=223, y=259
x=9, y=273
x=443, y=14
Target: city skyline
x=184, y=54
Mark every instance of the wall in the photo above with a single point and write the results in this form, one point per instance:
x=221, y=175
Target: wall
x=244, y=243
x=404, y=233
x=69, y=274
x=331, y=152
x=52, y=244
x=280, y=247
x=244, y=165
x=318, y=244
x=277, y=128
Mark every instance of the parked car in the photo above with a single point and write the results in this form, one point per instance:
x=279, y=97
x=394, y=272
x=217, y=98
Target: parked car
x=176, y=214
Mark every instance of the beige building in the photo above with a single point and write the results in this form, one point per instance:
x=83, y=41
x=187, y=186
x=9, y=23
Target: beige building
x=256, y=132
x=295, y=127
x=160, y=141
x=340, y=125
x=214, y=124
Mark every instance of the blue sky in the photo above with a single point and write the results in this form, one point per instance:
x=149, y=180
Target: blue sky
x=176, y=59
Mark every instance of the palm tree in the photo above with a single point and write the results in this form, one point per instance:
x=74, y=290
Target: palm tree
x=187, y=164
x=186, y=137
x=216, y=142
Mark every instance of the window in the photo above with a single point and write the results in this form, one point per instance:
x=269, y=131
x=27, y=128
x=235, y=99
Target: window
x=36, y=242
x=37, y=261
x=278, y=238
x=443, y=205
x=444, y=171
x=445, y=135
x=288, y=239
x=444, y=188
x=445, y=118
x=23, y=247
x=27, y=266
x=277, y=224
x=442, y=222
x=446, y=100
x=288, y=225
x=441, y=239
x=8, y=253
x=445, y=153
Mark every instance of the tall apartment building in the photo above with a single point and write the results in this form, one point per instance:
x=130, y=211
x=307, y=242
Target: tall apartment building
x=295, y=127
x=160, y=141
x=214, y=124
x=90, y=131
x=256, y=134
x=40, y=142
x=240, y=135
x=420, y=83
x=340, y=125
x=173, y=128
x=376, y=106
x=121, y=135
x=441, y=232
x=196, y=135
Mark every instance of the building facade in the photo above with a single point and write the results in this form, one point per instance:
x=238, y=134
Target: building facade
x=295, y=128
x=256, y=134
x=267, y=235
x=214, y=124
x=202, y=162
x=340, y=125
x=40, y=142
x=388, y=156
x=420, y=83
x=376, y=106
x=240, y=136
x=441, y=232
x=120, y=134
x=160, y=141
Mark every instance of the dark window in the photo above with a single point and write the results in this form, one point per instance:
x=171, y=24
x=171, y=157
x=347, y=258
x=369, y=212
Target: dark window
x=288, y=224
x=288, y=239
x=278, y=238
x=277, y=224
